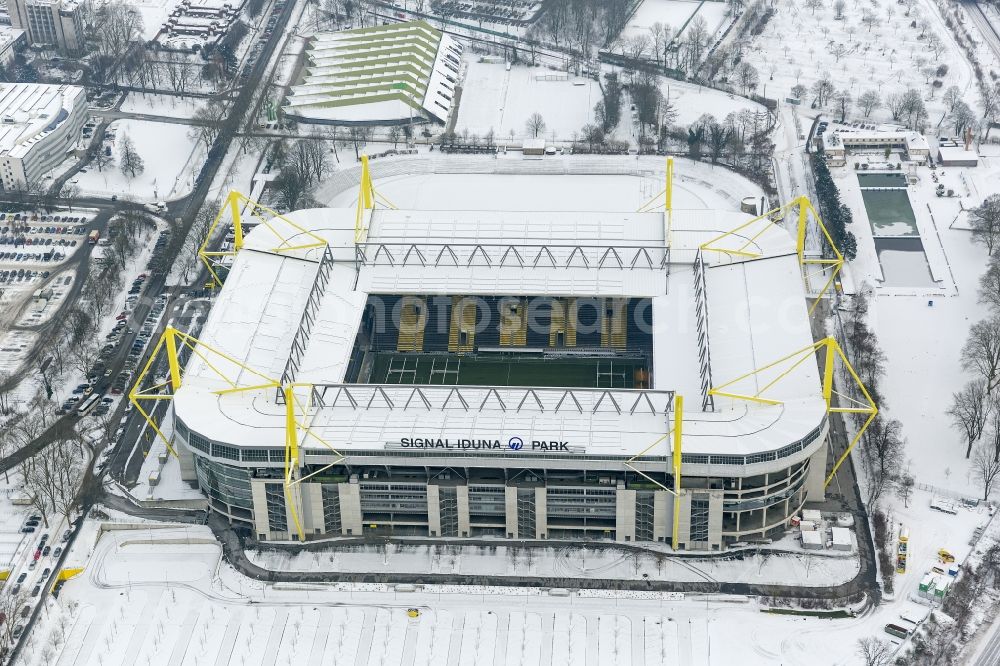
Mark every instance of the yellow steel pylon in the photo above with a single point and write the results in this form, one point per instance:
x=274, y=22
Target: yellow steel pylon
x=303, y=238
x=367, y=198
x=675, y=434
x=784, y=366
x=297, y=412
x=746, y=235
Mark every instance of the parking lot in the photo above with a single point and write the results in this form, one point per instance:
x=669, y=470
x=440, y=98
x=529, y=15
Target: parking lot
x=32, y=244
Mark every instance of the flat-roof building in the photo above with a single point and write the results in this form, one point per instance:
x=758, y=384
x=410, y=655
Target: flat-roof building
x=386, y=74
x=55, y=22
x=39, y=125
x=506, y=374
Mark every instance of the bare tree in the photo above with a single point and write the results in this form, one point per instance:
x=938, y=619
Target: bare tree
x=210, y=118
x=986, y=467
x=535, y=124
x=842, y=99
x=985, y=222
x=981, y=352
x=989, y=285
x=951, y=96
x=904, y=488
x=968, y=412
x=868, y=101
x=874, y=651
x=823, y=89
x=882, y=454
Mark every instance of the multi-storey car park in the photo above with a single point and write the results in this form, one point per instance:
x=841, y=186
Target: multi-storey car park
x=511, y=374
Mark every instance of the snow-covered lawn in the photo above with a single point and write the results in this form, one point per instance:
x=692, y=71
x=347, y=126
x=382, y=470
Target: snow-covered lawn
x=155, y=104
x=501, y=100
x=154, y=14
x=675, y=14
x=693, y=101
x=798, y=46
x=170, y=156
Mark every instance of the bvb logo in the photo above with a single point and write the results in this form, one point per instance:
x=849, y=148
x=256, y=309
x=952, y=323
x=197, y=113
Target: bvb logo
x=515, y=443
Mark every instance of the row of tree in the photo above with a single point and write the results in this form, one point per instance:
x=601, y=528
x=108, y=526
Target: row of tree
x=975, y=410
x=836, y=214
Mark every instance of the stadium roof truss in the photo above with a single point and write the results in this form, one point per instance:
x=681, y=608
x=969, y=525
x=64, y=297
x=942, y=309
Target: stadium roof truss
x=738, y=242
x=748, y=387
x=213, y=259
x=237, y=378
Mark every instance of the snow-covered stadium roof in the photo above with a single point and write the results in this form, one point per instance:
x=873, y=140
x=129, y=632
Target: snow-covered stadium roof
x=757, y=313
x=382, y=74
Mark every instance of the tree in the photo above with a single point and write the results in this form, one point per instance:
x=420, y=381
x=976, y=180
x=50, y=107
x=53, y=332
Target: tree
x=986, y=467
x=747, y=75
x=894, y=102
x=951, y=97
x=129, y=160
x=842, y=99
x=868, y=101
x=208, y=123
x=535, y=124
x=838, y=9
x=962, y=117
x=290, y=186
x=904, y=488
x=882, y=454
x=839, y=50
x=989, y=285
x=798, y=91
x=823, y=89
x=913, y=108
x=985, y=222
x=813, y=5
x=981, y=353
x=874, y=651
x=968, y=411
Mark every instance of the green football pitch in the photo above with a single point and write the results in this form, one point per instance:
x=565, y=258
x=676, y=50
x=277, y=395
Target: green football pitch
x=490, y=370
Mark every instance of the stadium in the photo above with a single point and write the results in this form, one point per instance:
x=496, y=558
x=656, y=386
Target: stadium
x=637, y=376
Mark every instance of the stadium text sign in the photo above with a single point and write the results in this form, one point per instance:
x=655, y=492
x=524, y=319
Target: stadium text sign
x=469, y=444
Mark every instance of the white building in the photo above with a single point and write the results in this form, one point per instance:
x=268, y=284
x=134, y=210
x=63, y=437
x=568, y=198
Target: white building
x=39, y=126
x=838, y=143
x=12, y=40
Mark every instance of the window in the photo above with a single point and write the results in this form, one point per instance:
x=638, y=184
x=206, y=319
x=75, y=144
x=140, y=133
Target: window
x=276, y=517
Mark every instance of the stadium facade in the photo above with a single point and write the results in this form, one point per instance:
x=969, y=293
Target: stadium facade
x=507, y=375
x=386, y=74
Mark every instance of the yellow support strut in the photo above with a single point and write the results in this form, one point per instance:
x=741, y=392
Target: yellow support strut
x=678, y=418
x=832, y=353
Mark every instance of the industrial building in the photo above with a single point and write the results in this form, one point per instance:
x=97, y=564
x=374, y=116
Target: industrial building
x=516, y=375
x=386, y=74
x=57, y=23
x=40, y=126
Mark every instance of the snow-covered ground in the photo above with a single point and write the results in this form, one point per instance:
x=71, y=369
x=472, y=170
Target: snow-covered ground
x=821, y=569
x=888, y=58
x=162, y=596
x=675, y=14
x=922, y=328
x=501, y=100
x=155, y=104
x=170, y=155
x=691, y=101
